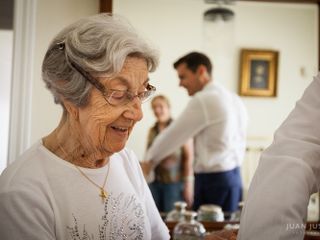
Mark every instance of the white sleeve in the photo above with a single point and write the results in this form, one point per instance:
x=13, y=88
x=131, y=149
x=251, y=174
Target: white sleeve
x=192, y=120
x=23, y=215
x=288, y=173
x=159, y=230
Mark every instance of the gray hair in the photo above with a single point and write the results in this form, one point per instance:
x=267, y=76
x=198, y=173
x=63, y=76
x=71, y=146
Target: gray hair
x=98, y=45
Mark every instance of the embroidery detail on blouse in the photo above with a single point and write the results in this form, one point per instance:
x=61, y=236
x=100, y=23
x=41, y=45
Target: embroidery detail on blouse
x=123, y=218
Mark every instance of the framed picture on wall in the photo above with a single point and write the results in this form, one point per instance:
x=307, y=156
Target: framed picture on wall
x=258, y=73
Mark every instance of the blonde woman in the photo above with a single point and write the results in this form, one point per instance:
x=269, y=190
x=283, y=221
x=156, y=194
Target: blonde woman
x=174, y=174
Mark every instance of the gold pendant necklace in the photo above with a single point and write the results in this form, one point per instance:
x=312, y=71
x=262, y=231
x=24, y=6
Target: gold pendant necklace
x=103, y=194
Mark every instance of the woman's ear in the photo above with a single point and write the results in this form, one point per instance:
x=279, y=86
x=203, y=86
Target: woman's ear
x=73, y=111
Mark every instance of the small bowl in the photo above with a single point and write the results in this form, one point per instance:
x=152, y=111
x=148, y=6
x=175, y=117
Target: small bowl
x=211, y=213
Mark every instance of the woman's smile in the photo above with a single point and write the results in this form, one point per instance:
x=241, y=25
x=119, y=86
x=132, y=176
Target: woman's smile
x=120, y=130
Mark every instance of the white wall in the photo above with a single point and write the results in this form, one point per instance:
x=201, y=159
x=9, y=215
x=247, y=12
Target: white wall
x=292, y=30
x=51, y=17
x=6, y=45
x=176, y=27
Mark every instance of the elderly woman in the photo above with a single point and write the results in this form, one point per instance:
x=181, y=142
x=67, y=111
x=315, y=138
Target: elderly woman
x=79, y=182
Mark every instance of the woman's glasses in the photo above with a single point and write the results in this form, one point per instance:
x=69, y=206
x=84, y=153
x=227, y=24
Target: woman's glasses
x=122, y=97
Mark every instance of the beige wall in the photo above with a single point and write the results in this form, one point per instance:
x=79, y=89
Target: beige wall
x=176, y=27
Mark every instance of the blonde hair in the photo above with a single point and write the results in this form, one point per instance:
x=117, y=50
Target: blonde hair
x=160, y=97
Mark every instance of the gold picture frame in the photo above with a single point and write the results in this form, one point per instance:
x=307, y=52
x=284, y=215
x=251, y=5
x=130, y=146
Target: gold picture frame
x=258, y=73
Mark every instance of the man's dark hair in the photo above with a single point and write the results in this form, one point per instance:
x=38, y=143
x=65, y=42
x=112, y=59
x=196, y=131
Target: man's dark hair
x=193, y=60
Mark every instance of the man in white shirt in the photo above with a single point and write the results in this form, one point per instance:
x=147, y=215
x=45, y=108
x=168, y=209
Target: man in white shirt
x=217, y=120
x=288, y=173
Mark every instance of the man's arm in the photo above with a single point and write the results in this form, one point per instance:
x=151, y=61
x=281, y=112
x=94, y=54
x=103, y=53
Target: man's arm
x=187, y=176
x=191, y=121
x=288, y=173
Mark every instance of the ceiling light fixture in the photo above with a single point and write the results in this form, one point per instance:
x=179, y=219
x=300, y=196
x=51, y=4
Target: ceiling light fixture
x=219, y=12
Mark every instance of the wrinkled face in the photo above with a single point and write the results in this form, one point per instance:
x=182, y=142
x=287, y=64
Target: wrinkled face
x=161, y=110
x=105, y=128
x=188, y=79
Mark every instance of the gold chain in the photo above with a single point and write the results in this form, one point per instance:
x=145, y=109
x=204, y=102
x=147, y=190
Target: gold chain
x=103, y=194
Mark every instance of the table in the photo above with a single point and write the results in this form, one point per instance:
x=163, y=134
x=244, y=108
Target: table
x=312, y=228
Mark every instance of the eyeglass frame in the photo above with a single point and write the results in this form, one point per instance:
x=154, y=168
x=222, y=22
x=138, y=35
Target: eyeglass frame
x=101, y=88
